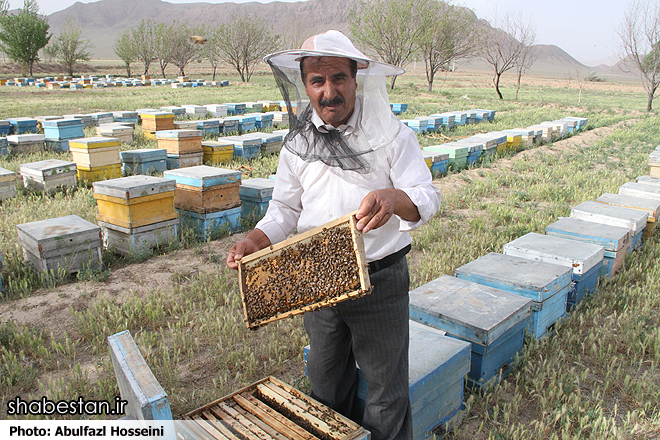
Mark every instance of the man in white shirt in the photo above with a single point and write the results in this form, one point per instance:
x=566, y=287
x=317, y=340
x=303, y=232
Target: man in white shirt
x=346, y=150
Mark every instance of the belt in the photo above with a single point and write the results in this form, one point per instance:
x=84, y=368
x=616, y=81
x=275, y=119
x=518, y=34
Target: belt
x=384, y=262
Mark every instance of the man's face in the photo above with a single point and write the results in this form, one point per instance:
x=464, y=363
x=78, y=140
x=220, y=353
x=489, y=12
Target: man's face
x=331, y=88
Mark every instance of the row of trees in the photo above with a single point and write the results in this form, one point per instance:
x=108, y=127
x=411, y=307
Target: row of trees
x=242, y=43
x=24, y=34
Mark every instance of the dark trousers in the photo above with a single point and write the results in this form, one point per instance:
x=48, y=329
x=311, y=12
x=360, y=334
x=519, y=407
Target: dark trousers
x=372, y=330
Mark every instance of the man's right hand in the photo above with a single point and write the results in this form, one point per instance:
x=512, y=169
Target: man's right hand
x=253, y=242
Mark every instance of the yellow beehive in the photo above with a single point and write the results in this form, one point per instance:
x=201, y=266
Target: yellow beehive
x=99, y=173
x=218, y=151
x=95, y=158
x=157, y=121
x=135, y=201
x=513, y=141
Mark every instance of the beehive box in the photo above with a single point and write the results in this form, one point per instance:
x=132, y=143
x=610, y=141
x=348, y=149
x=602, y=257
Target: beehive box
x=96, y=157
x=245, y=146
x=644, y=190
x=116, y=130
x=157, y=121
x=209, y=127
x=96, y=174
x=270, y=408
x=255, y=194
x=584, y=259
x=650, y=206
x=211, y=224
x=235, y=108
x=633, y=219
x=217, y=110
x=3, y=146
x=86, y=119
x=49, y=175
x=318, y=268
x=474, y=150
x=175, y=161
x=67, y=244
x=128, y=241
x=180, y=142
x=417, y=125
x=230, y=125
x=23, y=125
x=7, y=184
x=102, y=118
x=5, y=127
x=143, y=161
x=492, y=320
x=25, y=143
x=544, y=283
x=458, y=153
x=125, y=116
x=197, y=111
x=135, y=201
x=204, y=189
x=218, y=151
x=179, y=112
x=614, y=239
x=60, y=129
x=280, y=119
x=185, y=125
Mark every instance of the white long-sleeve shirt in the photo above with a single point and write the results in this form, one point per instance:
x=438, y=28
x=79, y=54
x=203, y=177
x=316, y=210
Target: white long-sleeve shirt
x=310, y=194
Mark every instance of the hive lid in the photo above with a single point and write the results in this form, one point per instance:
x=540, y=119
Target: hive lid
x=203, y=176
x=611, y=215
x=579, y=256
x=257, y=187
x=143, y=155
x=651, y=206
x=221, y=144
x=648, y=180
x=612, y=238
x=49, y=167
x=54, y=233
x=156, y=115
x=468, y=310
x=208, y=123
x=635, y=189
x=534, y=279
x=178, y=134
x=243, y=141
x=134, y=186
x=94, y=142
x=21, y=138
x=61, y=122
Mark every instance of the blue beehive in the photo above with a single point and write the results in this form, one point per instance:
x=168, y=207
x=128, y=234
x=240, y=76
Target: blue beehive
x=3, y=146
x=23, y=125
x=235, y=108
x=418, y=125
x=633, y=219
x=230, y=125
x=5, y=128
x=144, y=161
x=492, y=320
x=246, y=123
x=447, y=120
x=245, y=146
x=255, y=195
x=460, y=117
x=614, y=239
x=205, y=225
x=584, y=259
x=489, y=114
x=546, y=284
x=437, y=366
x=204, y=176
x=63, y=129
x=262, y=120
x=270, y=143
x=398, y=108
x=474, y=150
x=125, y=116
x=430, y=123
x=209, y=126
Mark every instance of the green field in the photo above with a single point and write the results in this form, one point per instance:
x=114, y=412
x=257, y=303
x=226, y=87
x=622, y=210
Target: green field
x=597, y=377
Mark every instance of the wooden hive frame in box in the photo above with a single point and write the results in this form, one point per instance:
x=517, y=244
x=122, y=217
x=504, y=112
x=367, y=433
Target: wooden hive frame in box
x=315, y=269
x=271, y=409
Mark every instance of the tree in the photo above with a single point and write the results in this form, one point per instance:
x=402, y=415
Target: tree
x=390, y=28
x=143, y=39
x=640, y=41
x=246, y=41
x=124, y=48
x=211, y=50
x=505, y=48
x=527, y=55
x=451, y=34
x=184, y=49
x=23, y=35
x=163, y=45
x=69, y=48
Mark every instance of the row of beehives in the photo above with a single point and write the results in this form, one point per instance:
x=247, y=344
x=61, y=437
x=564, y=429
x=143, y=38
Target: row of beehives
x=468, y=151
x=448, y=120
x=93, y=81
x=138, y=213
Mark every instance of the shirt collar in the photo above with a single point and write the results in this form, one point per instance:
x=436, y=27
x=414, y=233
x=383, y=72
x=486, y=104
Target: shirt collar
x=347, y=128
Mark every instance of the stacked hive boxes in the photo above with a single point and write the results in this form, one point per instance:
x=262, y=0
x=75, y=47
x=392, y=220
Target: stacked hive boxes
x=116, y=130
x=217, y=110
x=255, y=195
x=7, y=184
x=49, y=175
x=492, y=320
x=207, y=197
x=59, y=132
x=632, y=219
x=280, y=119
x=270, y=143
x=230, y=125
x=209, y=127
x=25, y=143
x=156, y=121
x=136, y=212
x=458, y=153
x=102, y=118
x=126, y=117
x=218, y=151
x=144, y=161
x=96, y=158
x=65, y=244
x=547, y=285
x=184, y=147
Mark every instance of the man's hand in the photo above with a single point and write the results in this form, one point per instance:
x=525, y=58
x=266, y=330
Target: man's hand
x=378, y=206
x=253, y=242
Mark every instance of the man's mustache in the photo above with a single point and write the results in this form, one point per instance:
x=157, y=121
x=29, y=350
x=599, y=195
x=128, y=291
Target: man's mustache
x=337, y=100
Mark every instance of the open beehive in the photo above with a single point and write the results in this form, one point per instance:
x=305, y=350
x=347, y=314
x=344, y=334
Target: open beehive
x=318, y=268
x=271, y=409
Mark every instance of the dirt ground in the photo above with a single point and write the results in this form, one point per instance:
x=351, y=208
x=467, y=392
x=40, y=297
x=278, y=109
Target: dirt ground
x=51, y=309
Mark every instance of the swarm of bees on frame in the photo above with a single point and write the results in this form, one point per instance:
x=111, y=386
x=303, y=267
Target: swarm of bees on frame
x=323, y=268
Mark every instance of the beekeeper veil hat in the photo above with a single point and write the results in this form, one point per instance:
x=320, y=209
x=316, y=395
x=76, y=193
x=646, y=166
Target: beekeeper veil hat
x=363, y=149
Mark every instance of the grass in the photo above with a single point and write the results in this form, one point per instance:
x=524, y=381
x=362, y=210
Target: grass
x=597, y=377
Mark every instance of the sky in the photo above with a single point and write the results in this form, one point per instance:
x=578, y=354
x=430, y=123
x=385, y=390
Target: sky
x=583, y=28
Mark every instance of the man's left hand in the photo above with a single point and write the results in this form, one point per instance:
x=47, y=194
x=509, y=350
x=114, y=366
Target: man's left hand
x=378, y=206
